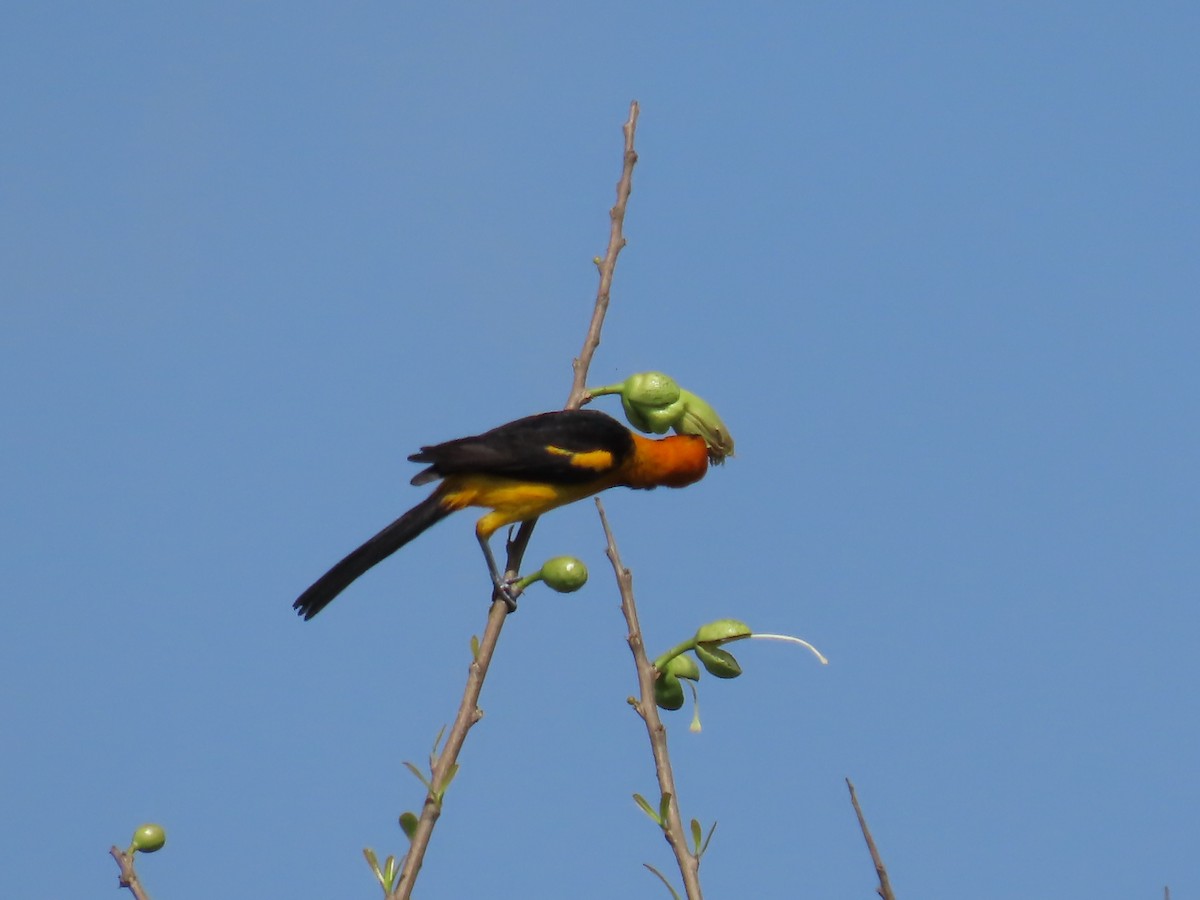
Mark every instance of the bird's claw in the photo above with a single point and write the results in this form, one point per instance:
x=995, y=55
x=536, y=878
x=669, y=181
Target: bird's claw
x=506, y=590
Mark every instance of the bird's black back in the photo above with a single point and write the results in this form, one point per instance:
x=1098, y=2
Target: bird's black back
x=536, y=448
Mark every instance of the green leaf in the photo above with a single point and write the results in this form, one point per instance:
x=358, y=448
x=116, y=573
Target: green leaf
x=663, y=879
x=390, y=870
x=437, y=741
x=696, y=836
x=441, y=792
x=408, y=824
x=373, y=862
x=419, y=776
x=647, y=809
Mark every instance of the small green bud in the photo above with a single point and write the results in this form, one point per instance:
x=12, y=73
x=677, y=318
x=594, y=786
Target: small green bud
x=668, y=692
x=390, y=870
x=385, y=876
x=564, y=574
x=682, y=666
x=148, y=838
x=718, y=662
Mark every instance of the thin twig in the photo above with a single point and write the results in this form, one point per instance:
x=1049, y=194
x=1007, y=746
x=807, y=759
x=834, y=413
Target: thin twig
x=468, y=714
x=689, y=863
x=468, y=711
x=885, y=886
x=129, y=878
x=608, y=265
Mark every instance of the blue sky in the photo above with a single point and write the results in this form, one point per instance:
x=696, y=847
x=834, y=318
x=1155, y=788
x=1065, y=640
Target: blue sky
x=935, y=265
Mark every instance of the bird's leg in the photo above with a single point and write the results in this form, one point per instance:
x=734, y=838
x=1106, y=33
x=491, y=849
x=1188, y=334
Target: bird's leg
x=504, y=587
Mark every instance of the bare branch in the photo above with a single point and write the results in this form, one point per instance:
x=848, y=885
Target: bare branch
x=885, y=886
x=129, y=878
x=689, y=863
x=468, y=711
x=607, y=266
x=468, y=714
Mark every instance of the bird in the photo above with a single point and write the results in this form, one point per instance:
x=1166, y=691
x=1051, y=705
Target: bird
x=518, y=471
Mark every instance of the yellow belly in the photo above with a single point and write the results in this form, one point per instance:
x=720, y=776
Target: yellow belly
x=510, y=500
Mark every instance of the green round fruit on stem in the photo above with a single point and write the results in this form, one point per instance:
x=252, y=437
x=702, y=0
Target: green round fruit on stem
x=148, y=838
x=650, y=389
x=564, y=574
x=651, y=401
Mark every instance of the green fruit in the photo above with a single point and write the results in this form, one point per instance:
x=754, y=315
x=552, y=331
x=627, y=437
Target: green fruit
x=668, y=692
x=700, y=418
x=718, y=662
x=564, y=574
x=650, y=389
x=148, y=838
x=653, y=419
x=683, y=666
x=652, y=401
x=722, y=630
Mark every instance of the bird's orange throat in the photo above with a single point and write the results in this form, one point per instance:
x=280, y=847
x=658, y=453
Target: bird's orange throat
x=675, y=461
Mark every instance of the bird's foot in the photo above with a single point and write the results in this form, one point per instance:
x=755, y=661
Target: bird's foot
x=507, y=591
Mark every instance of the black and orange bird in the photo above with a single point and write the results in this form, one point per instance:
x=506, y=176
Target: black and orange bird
x=519, y=471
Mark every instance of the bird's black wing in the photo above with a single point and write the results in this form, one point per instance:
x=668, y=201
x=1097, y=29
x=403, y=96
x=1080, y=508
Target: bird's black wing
x=564, y=447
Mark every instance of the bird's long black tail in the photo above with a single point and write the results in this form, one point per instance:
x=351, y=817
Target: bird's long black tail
x=425, y=514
